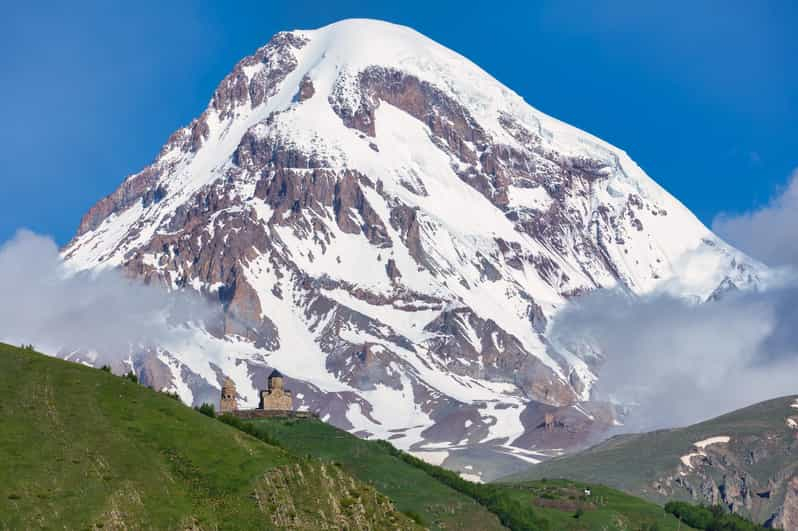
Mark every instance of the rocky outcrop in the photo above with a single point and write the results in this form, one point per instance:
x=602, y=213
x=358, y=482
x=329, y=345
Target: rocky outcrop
x=236, y=88
x=134, y=189
x=753, y=475
x=480, y=348
x=787, y=515
x=285, y=495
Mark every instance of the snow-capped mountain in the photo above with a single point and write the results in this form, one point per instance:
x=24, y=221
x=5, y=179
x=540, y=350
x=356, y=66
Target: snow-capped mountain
x=393, y=229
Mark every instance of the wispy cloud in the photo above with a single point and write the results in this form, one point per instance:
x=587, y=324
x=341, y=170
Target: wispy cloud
x=43, y=304
x=768, y=233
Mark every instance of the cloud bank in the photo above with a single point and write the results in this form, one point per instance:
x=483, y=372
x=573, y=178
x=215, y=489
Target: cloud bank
x=679, y=362
x=60, y=312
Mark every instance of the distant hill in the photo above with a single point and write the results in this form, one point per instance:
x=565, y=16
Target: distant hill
x=82, y=448
x=746, y=460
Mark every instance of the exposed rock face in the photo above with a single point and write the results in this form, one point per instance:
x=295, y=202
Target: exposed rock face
x=787, y=515
x=339, y=502
x=745, y=460
x=754, y=475
x=393, y=229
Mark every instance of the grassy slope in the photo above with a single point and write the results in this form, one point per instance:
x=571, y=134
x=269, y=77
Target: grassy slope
x=442, y=507
x=631, y=462
x=83, y=448
x=605, y=508
x=411, y=489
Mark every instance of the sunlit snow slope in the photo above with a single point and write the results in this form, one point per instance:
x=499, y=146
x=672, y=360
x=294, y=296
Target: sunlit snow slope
x=393, y=229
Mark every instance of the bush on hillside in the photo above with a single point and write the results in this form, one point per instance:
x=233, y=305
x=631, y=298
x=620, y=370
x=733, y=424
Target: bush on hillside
x=709, y=518
x=207, y=410
x=248, y=428
x=132, y=377
x=512, y=513
x=171, y=394
x=415, y=517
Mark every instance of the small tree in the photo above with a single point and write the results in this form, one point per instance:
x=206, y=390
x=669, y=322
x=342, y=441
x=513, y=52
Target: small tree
x=132, y=377
x=106, y=368
x=172, y=394
x=207, y=409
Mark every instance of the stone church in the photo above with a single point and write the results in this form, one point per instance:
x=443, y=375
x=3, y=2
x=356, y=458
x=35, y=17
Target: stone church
x=275, y=398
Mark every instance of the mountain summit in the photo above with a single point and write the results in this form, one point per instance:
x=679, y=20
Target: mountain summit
x=393, y=229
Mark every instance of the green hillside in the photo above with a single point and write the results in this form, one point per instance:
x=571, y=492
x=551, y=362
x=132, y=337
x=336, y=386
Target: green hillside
x=82, y=449
x=420, y=488
x=750, y=473
x=411, y=489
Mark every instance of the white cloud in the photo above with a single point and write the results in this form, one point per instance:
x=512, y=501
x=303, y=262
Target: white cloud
x=769, y=233
x=44, y=305
x=682, y=362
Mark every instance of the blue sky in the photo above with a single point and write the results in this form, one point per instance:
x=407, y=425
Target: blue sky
x=703, y=95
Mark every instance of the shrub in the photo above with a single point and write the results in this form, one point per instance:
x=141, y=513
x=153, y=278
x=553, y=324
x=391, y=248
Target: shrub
x=512, y=513
x=579, y=512
x=132, y=377
x=248, y=428
x=207, y=410
x=415, y=517
x=105, y=368
x=172, y=394
x=347, y=502
x=709, y=519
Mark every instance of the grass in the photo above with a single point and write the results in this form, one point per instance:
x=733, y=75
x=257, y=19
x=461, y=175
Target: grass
x=86, y=449
x=412, y=490
x=564, y=505
x=442, y=500
x=83, y=448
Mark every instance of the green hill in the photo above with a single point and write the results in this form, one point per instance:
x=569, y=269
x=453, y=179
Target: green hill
x=411, y=489
x=755, y=473
x=82, y=448
x=426, y=490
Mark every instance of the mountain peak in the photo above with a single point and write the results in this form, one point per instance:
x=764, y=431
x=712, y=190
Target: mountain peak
x=393, y=229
